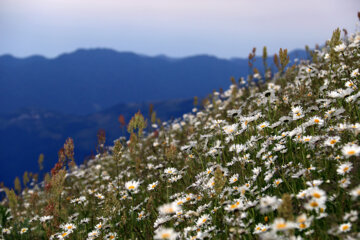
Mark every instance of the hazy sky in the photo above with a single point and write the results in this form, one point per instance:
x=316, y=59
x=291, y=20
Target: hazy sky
x=225, y=28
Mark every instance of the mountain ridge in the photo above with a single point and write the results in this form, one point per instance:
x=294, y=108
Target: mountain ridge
x=86, y=81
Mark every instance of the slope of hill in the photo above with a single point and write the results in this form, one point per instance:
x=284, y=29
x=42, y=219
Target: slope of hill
x=279, y=161
x=86, y=81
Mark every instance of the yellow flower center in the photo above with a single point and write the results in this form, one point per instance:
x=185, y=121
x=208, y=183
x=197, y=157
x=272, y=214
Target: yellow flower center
x=165, y=235
x=345, y=227
x=351, y=152
x=204, y=220
x=346, y=169
x=314, y=204
x=281, y=225
x=64, y=234
x=131, y=187
x=316, y=120
x=316, y=195
x=333, y=141
x=302, y=225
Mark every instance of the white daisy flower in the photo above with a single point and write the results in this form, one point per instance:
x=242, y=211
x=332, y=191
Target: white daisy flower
x=339, y=48
x=111, y=236
x=68, y=227
x=355, y=193
x=344, y=168
x=64, y=235
x=99, y=196
x=234, y=178
x=317, y=193
x=344, y=182
x=263, y=125
x=93, y=234
x=355, y=73
x=277, y=182
x=350, y=150
x=132, y=186
x=169, y=208
x=230, y=129
x=203, y=219
x=345, y=227
x=46, y=218
x=317, y=120
x=6, y=230
x=152, y=186
x=166, y=233
x=330, y=141
x=170, y=171
x=281, y=225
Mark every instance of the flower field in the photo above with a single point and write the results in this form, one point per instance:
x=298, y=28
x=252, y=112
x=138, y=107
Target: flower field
x=270, y=158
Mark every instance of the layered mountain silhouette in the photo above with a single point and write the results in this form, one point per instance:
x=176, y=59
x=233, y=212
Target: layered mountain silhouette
x=86, y=81
x=43, y=101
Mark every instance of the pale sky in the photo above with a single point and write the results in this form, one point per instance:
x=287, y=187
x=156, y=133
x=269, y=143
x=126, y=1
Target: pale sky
x=177, y=28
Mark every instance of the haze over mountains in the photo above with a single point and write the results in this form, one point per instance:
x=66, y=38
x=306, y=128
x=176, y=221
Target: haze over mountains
x=43, y=101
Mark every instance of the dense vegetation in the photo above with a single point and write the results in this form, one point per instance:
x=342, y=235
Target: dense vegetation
x=272, y=160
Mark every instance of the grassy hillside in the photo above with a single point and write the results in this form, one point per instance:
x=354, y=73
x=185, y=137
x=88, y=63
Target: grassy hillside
x=273, y=161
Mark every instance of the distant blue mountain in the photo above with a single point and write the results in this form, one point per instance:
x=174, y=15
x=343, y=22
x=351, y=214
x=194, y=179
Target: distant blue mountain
x=28, y=132
x=86, y=81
